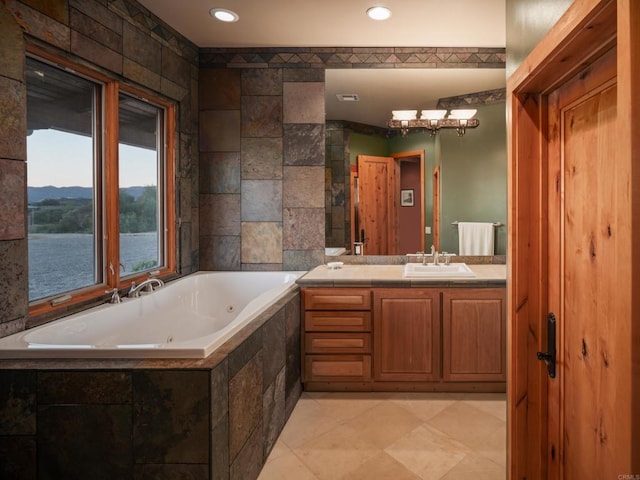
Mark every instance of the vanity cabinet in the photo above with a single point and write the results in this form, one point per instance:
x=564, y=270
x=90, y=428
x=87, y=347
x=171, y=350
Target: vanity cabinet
x=337, y=335
x=474, y=334
x=411, y=338
x=406, y=334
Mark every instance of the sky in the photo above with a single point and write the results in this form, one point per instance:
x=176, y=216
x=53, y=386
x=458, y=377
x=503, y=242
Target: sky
x=65, y=160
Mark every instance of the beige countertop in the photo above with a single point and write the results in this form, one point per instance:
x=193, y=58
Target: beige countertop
x=391, y=276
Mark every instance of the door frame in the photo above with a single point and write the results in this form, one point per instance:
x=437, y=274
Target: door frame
x=587, y=30
x=413, y=154
x=421, y=196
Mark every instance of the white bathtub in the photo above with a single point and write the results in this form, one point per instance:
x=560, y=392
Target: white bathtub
x=188, y=318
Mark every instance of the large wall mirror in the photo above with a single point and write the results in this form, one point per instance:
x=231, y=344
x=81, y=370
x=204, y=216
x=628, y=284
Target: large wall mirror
x=461, y=179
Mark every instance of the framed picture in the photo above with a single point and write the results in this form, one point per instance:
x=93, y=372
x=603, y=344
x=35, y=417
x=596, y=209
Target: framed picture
x=406, y=198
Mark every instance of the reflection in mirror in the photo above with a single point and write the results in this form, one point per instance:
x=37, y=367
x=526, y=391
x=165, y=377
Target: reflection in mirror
x=387, y=214
x=464, y=178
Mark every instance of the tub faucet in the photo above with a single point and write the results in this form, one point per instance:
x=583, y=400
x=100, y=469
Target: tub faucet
x=115, y=296
x=146, y=286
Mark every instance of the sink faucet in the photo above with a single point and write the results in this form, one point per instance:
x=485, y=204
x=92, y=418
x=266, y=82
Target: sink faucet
x=434, y=254
x=146, y=286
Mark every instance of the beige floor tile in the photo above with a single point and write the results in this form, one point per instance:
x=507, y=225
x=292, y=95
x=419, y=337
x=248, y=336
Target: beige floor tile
x=395, y=436
x=428, y=453
x=384, y=424
x=285, y=467
x=467, y=424
x=493, y=403
x=382, y=467
x=336, y=453
x=307, y=421
x=278, y=450
x=475, y=467
x=494, y=447
x=425, y=405
x=343, y=406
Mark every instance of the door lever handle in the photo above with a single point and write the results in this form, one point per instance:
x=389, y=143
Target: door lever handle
x=549, y=357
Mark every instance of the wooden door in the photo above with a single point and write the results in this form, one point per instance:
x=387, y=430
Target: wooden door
x=582, y=285
x=378, y=199
x=573, y=240
x=406, y=333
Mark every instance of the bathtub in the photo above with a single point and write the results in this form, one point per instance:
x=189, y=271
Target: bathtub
x=187, y=318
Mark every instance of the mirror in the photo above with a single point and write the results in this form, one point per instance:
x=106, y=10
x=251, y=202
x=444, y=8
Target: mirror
x=465, y=177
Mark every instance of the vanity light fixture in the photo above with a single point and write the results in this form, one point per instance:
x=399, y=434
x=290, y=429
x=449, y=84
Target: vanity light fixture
x=224, y=15
x=402, y=119
x=378, y=13
x=433, y=120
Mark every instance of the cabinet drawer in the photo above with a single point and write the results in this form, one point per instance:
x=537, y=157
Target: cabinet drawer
x=337, y=342
x=337, y=368
x=337, y=298
x=337, y=321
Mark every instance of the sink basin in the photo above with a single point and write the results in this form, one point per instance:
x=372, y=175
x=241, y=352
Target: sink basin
x=430, y=270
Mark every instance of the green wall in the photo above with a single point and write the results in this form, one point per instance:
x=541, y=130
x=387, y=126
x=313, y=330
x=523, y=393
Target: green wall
x=474, y=177
x=360, y=144
x=527, y=22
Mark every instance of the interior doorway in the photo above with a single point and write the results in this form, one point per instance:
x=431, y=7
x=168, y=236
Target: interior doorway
x=388, y=213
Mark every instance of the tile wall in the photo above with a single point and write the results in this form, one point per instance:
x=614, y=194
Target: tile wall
x=262, y=172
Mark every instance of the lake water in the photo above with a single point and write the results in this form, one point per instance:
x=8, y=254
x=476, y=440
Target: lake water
x=60, y=262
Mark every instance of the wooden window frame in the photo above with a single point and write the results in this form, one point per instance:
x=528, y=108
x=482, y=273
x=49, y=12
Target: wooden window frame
x=107, y=181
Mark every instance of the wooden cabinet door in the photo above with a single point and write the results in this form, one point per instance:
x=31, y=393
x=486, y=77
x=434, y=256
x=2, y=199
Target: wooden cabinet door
x=474, y=334
x=406, y=334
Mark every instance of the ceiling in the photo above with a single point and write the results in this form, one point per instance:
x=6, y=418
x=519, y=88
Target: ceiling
x=343, y=23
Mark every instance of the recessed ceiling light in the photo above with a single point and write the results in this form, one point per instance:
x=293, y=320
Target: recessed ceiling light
x=378, y=13
x=224, y=15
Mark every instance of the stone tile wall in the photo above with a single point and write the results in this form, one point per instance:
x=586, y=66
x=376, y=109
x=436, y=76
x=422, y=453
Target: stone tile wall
x=123, y=39
x=486, y=97
x=216, y=418
x=337, y=186
x=261, y=169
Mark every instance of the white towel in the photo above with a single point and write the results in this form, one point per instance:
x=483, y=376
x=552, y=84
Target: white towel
x=476, y=238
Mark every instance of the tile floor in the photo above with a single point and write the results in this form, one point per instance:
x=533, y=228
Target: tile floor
x=394, y=436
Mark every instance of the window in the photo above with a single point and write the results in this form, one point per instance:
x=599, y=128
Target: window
x=100, y=183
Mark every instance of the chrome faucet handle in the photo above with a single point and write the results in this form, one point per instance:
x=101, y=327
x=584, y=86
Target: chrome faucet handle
x=115, y=296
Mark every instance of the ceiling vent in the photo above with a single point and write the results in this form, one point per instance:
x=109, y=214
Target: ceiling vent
x=347, y=97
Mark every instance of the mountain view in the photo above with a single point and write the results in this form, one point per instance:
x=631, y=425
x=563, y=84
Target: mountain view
x=37, y=194
x=71, y=210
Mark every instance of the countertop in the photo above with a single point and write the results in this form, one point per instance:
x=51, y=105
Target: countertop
x=391, y=276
